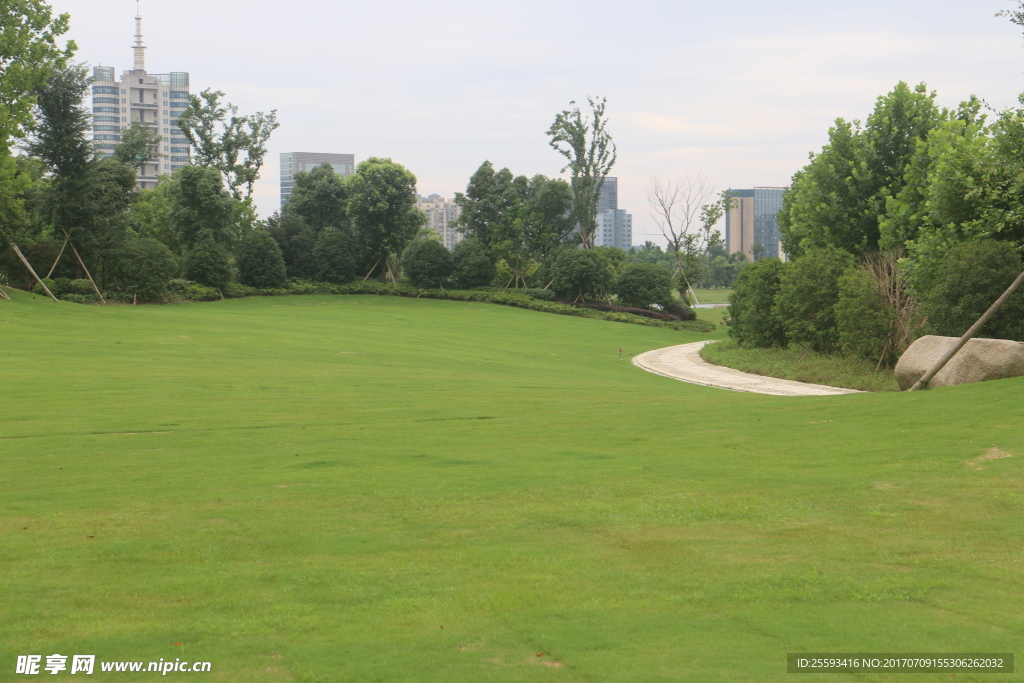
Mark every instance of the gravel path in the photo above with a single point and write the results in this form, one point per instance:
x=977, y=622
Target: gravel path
x=684, y=363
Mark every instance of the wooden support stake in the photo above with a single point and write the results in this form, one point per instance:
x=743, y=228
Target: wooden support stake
x=24, y=262
x=4, y=294
x=82, y=263
x=371, y=271
x=57, y=260
x=948, y=355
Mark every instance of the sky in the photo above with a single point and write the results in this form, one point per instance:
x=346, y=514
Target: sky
x=739, y=92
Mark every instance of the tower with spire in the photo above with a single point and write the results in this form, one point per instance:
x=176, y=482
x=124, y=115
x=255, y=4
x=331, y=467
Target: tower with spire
x=150, y=100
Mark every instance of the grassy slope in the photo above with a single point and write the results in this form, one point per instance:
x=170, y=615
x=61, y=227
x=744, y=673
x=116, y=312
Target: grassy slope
x=311, y=488
x=793, y=363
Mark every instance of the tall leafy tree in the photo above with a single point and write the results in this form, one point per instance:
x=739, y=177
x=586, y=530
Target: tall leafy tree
x=234, y=145
x=840, y=197
x=319, y=197
x=538, y=217
x=201, y=208
x=139, y=146
x=587, y=145
x=486, y=202
x=382, y=207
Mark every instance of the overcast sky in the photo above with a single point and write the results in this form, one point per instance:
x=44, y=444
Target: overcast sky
x=740, y=91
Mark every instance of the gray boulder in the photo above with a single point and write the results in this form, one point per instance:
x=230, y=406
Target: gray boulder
x=977, y=361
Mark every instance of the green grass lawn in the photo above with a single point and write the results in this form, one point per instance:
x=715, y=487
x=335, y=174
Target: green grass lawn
x=713, y=296
x=793, y=363
x=383, y=489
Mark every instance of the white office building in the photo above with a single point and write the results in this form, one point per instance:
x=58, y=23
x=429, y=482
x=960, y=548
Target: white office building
x=155, y=100
x=614, y=229
x=297, y=162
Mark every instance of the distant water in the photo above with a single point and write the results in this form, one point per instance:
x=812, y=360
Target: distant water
x=711, y=306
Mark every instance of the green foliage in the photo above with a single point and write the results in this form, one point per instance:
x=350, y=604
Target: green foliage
x=29, y=53
x=319, y=199
x=38, y=289
x=334, y=256
x=142, y=267
x=139, y=145
x=836, y=200
x=645, y=285
x=968, y=280
x=863, y=316
x=427, y=263
x=201, y=209
x=473, y=267
x=590, y=153
x=582, y=273
x=259, y=261
x=751, y=305
x=808, y=293
x=208, y=263
x=60, y=286
x=382, y=208
x=80, y=286
x=151, y=215
x=233, y=145
x=297, y=242
x=488, y=199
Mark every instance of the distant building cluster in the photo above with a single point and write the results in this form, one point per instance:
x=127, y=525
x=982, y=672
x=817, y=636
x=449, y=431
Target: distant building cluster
x=155, y=100
x=294, y=162
x=441, y=215
x=614, y=225
x=752, y=220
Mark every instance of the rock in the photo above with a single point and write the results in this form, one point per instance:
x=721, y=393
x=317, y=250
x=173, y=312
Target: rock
x=979, y=360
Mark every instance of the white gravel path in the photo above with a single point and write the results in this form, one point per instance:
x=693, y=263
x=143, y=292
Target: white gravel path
x=684, y=363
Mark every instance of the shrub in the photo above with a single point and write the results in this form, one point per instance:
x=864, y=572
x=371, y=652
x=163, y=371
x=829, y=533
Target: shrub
x=581, y=273
x=334, y=256
x=968, y=280
x=260, y=263
x=473, y=267
x=142, y=267
x=37, y=289
x=862, y=316
x=808, y=293
x=61, y=286
x=82, y=287
x=296, y=241
x=752, y=318
x=197, y=292
x=427, y=263
x=80, y=298
x=208, y=264
x=645, y=285
x=541, y=294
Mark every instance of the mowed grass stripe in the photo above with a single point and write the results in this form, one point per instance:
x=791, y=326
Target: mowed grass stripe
x=310, y=488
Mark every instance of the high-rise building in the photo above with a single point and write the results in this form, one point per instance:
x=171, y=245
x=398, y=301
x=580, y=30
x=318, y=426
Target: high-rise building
x=294, y=162
x=441, y=214
x=609, y=198
x=752, y=219
x=155, y=100
x=614, y=229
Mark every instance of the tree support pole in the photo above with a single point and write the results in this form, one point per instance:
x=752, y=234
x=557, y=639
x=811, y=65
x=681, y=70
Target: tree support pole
x=57, y=260
x=28, y=266
x=4, y=294
x=81, y=263
x=948, y=355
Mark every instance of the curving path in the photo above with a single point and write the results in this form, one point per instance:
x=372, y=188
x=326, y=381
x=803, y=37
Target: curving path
x=684, y=363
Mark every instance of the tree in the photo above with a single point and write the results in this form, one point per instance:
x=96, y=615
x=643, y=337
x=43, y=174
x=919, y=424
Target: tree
x=581, y=273
x=28, y=54
x=297, y=244
x=588, y=147
x=968, y=279
x=208, y=263
x=473, y=267
x=808, y=294
x=751, y=305
x=200, y=207
x=142, y=266
x=537, y=217
x=686, y=215
x=838, y=198
x=486, y=202
x=139, y=146
x=259, y=261
x=334, y=256
x=427, y=263
x=151, y=215
x=234, y=145
x=645, y=285
x=382, y=208
x=319, y=197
